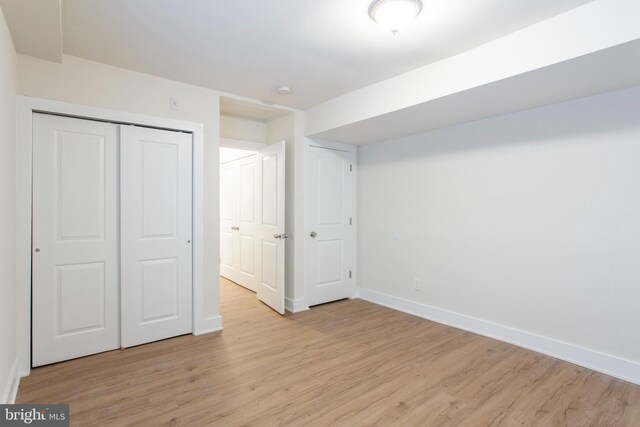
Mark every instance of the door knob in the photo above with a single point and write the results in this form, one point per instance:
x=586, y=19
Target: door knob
x=313, y=234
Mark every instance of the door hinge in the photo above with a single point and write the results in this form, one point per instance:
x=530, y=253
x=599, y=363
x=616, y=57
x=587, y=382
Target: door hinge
x=350, y=168
x=349, y=274
x=350, y=220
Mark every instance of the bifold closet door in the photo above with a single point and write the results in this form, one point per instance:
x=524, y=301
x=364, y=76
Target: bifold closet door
x=156, y=227
x=238, y=221
x=75, y=238
x=229, y=196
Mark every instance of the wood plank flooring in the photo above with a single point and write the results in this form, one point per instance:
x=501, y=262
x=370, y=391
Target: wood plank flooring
x=348, y=363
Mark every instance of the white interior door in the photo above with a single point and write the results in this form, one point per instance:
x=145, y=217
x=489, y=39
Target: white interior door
x=229, y=195
x=247, y=221
x=75, y=238
x=271, y=226
x=156, y=227
x=238, y=221
x=331, y=236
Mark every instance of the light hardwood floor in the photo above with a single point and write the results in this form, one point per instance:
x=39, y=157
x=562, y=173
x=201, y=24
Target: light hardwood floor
x=348, y=363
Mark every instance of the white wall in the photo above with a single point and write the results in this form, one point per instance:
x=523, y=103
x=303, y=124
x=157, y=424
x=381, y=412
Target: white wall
x=90, y=83
x=243, y=129
x=529, y=220
x=8, y=66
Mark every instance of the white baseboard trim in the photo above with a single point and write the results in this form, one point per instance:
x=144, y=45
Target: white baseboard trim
x=11, y=387
x=295, y=306
x=604, y=363
x=209, y=325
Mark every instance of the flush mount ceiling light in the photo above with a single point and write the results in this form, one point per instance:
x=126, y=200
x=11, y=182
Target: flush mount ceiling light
x=284, y=90
x=394, y=15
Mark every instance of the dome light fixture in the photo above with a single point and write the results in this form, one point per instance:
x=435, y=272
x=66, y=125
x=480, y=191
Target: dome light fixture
x=284, y=90
x=394, y=15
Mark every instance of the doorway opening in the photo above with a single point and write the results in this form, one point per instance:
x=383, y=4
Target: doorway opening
x=254, y=228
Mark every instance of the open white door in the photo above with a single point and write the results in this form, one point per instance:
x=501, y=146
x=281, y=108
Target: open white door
x=271, y=226
x=330, y=212
x=155, y=242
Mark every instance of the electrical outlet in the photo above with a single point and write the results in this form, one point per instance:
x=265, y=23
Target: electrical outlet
x=417, y=285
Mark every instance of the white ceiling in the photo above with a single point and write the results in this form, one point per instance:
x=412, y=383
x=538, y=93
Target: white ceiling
x=322, y=48
x=35, y=27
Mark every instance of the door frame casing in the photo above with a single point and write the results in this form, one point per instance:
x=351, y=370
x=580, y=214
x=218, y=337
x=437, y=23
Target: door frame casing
x=26, y=107
x=307, y=249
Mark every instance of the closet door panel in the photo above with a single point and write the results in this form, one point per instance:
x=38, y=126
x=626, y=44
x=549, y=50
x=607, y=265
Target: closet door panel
x=247, y=218
x=229, y=254
x=156, y=227
x=238, y=218
x=75, y=238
